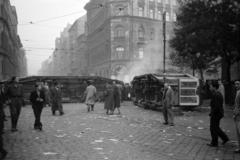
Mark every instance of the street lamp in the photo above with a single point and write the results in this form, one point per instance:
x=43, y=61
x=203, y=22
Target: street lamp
x=164, y=42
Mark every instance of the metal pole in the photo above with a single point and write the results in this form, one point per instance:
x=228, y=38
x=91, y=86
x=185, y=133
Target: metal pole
x=164, y=42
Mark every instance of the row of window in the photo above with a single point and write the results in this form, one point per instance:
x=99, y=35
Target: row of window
x=119, y=32
x=174, y=2
x=121, y=54
x=157, y=15
x=152, y=14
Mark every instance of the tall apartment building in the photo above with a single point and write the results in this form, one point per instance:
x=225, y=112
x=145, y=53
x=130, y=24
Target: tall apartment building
x=69, y=57
x=125, y=37
x=12, y=56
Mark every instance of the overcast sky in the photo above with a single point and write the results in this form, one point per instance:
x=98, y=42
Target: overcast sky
x=38, y=39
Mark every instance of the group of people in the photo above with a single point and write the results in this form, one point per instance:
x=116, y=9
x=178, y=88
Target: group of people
x=13, y=96
x=112, y=97
x=216, y=113
x=42, y=95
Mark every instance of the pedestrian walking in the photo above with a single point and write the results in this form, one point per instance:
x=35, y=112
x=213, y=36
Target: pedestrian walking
x=46, y=91
x=167, y=101
x=37, y=98
x=216, y=114
x=90, y=93
x=56, y=98
x=236, y=114
x=2, y=117
x=15, y=96
x=117, y=97
x=109, y=99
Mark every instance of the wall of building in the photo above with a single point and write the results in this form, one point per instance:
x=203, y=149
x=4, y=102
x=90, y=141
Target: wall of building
x=12, y=56
x=68, y=57
x=125, y=37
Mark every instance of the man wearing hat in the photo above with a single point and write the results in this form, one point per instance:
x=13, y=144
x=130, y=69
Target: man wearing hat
x=37, y=99
x=56, y=97
x=90, y=96
x=15, y=96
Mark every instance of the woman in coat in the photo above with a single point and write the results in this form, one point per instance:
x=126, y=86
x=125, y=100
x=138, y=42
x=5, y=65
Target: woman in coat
x=109, y=99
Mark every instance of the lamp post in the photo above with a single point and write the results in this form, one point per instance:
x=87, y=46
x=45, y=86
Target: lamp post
x=164, y=42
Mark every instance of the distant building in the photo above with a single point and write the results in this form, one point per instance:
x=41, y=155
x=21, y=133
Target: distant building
x=12, y=57
x=68, y=57
x=125, y=37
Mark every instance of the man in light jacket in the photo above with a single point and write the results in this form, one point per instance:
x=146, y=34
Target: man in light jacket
x=90, y=93
x=167, y=105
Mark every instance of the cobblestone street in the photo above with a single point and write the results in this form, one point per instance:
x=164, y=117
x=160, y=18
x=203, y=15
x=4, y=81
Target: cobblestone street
x=137, y=134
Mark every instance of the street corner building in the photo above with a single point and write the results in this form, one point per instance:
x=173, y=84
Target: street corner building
x=115, y=39
x=126, y=36
x=12, y=56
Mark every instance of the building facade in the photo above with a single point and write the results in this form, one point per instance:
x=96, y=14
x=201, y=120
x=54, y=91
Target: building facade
x=12, y=56
x=125, y=37
x=69, y=57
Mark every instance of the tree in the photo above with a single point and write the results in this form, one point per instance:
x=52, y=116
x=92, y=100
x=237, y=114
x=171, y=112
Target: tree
x=208, y=27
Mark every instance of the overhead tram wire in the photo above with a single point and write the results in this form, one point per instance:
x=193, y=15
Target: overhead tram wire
x=48, y=19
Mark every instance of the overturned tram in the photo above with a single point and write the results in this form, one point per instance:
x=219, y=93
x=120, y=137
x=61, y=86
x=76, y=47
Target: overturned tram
x=147, y=90
x=72, y=87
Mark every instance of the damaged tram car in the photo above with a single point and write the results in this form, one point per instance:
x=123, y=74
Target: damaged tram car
x=147, y=90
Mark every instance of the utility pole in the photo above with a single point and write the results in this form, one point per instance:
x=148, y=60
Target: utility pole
x=164, y=42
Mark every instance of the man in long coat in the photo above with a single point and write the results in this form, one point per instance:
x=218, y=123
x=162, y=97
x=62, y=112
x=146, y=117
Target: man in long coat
x=90, y=93
x=117, y=96
x=216, y=114
x=37, y=99
x=2, y=116
x=15, y=95
x=56, y=98
x=167, y=101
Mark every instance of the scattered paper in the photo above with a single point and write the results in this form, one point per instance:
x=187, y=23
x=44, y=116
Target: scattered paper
x=167, y=142
x=78, y=136
x=60, y=136
x=131, y=136
x=98, y=141
x=200, y=121
x=98, y=148
x=114, y=140
x=106, y=132
x=49, y=153
x=200, y=128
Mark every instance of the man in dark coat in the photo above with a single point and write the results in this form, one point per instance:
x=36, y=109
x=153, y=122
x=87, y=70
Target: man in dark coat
x=117, y=96
x=216, y=114
x=56, y=97
x=167, y=101
x=37, y=99
x=2, y=101
x=15, y=95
